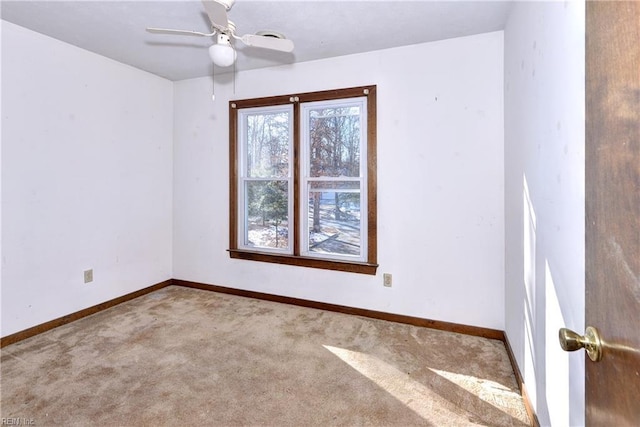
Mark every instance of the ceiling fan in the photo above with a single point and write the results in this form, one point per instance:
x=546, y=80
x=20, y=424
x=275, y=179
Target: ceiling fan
x=222, y=53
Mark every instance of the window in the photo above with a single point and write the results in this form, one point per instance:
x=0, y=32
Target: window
x=303, y=179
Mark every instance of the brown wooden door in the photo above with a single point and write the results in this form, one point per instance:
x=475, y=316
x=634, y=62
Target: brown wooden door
x=613, y=210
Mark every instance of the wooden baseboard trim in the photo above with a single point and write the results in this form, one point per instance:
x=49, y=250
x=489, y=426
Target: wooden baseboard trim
x=523, y=390
x=38, y=329
x=399, y=318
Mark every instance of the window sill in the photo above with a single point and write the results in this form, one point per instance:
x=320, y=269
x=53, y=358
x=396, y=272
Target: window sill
x=351, y=267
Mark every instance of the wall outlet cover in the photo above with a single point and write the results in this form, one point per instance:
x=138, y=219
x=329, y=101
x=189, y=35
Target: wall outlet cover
x=88, y=276
x=387, y=280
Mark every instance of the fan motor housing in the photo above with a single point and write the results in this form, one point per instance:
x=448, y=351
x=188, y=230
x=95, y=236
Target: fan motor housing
x=272, y=34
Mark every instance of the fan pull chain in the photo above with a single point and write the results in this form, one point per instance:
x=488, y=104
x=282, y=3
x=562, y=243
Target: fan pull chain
x=213, y=83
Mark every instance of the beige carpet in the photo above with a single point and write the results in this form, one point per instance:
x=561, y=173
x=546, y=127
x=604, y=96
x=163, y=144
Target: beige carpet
x=182, y=356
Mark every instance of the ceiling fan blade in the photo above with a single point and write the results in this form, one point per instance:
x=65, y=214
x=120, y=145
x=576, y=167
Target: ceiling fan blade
x=181, y=32
x=265, y=42
x=217, y=14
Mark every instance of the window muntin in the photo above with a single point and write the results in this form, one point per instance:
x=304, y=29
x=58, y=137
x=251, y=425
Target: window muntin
x=342, y=176
x=265, y=180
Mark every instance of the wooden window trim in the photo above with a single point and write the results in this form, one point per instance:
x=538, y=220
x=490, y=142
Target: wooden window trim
x=368, y=267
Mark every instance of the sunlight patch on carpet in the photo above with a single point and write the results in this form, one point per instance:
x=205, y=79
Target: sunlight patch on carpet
x=415, y=396
x=495, y=394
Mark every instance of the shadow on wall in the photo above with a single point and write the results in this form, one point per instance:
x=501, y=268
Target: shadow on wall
x=546, y=368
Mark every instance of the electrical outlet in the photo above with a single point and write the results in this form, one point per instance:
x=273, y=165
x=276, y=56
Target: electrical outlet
x=88, y=276
x=387, y=279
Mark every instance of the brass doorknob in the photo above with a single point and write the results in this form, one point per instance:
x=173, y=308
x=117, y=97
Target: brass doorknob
x=591, y=342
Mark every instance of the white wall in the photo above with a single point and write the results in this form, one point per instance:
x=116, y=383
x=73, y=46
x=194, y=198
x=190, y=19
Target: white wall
x=544, y=201
x=440, y=181
x=1, y=203
x=86, y=178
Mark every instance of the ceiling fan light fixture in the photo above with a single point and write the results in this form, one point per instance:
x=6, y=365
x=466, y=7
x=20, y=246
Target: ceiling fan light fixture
x=222, y=53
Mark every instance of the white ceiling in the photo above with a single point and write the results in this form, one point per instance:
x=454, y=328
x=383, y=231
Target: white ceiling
x=320, y=29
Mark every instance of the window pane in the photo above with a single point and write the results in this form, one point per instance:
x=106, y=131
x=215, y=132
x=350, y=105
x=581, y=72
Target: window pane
x=268, y=145
x=334, y=222
x=267, y=206
x=335, y=142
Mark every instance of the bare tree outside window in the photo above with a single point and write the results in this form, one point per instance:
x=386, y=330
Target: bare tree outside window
x=334, y=152
x=267, y=198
